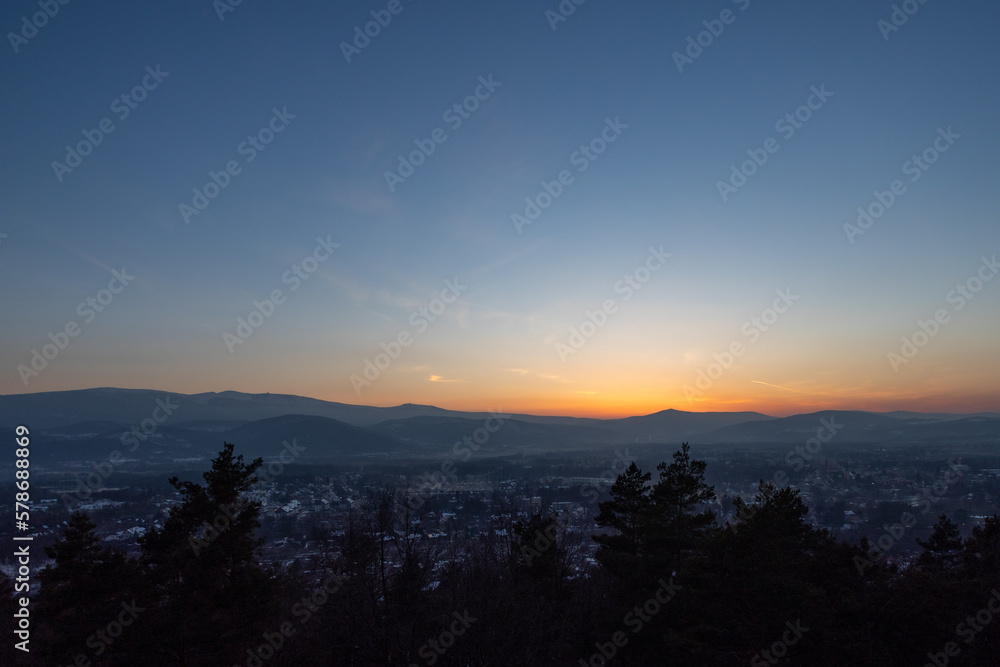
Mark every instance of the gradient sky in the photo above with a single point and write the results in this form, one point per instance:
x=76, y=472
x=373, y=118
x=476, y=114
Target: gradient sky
x=496, y=346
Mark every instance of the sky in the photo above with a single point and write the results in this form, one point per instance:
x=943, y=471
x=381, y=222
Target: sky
x=603, y=209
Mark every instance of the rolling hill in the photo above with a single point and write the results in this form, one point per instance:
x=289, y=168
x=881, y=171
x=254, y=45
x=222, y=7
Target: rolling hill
x=86, y=425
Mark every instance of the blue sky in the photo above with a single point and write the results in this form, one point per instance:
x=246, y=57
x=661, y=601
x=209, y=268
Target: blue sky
x=497, y=344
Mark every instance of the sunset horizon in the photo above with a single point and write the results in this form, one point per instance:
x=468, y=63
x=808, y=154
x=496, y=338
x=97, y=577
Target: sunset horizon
x=583, y=409
x=610, y=234
x=537, y=332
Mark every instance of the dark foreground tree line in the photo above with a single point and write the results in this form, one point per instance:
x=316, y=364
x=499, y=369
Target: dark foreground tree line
x=673, y=587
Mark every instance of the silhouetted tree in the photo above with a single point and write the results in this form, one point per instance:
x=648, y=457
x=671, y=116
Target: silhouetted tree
x=676, y=525
x=626, y=514
x=385, y=594
x=84, y=591
x=209, y=598
x=655, y=527
x=942, y=551
x=981, y=558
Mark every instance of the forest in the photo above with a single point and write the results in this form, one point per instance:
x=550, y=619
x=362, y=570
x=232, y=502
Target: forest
x=672, y=585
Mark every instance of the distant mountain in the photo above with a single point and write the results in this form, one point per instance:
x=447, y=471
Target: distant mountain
x=669, y=425
x=86, y=425
x=46, y=410
x=856, y=427
x=209, y=411
x=939, y=416
x=130, y=406
x=319, y=437
x=963, y=430
x=439, y=432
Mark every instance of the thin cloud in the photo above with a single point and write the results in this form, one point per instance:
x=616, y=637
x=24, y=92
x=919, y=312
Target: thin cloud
x=438, y=378
x=777, y=386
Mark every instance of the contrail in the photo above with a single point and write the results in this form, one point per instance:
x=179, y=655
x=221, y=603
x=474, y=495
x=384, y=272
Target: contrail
x=777, y=386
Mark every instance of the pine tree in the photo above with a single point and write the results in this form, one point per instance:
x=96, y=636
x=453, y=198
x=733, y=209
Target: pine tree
x=676, y=525
x=87, y=588
x=982, y=552
x=656, y=526
x=943, y=550
x=540, y=557
x=210, y=598
x=626, y=513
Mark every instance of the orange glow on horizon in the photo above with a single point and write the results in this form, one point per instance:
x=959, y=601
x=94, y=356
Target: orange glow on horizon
x=597, y=402
x=597, y=408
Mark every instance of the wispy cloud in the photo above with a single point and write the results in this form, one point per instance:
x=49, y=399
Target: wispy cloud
x=776, y=386
x=438, y=378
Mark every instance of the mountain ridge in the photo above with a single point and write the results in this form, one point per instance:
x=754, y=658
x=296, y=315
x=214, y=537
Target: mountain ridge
x=75, y=422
